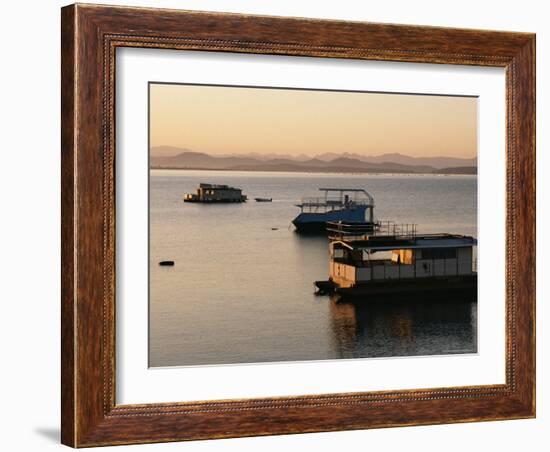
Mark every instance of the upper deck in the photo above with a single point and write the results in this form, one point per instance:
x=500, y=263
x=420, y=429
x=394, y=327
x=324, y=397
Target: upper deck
x=336, y=198
x=388, y=235
x=358, y=231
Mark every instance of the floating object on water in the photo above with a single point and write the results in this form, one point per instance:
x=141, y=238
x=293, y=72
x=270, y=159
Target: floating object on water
x=213, y=193
x=417, y=263
x=349, y=205
x=263, y=199
x=274, y=229
x=166, y=263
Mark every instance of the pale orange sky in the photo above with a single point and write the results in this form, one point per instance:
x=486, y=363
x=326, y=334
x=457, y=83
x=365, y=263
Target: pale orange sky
x=228, y=120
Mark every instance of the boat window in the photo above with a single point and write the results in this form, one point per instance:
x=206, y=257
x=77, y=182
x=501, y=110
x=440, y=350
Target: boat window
x=338, y=253
x=374, y=255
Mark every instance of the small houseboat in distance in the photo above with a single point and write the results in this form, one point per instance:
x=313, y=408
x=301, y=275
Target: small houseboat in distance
x=394, y=259
x=212, y=193
x=349, y=205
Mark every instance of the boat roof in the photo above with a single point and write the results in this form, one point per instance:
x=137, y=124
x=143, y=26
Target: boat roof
x=387, y=243
x=341, y=189
x=219, y=186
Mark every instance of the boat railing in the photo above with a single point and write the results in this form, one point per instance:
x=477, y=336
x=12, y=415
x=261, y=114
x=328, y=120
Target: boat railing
x=391, y=228
x=350, y=231
x=321, y=202
x=340, y=230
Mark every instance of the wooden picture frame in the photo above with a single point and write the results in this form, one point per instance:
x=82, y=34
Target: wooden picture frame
x=90, y=36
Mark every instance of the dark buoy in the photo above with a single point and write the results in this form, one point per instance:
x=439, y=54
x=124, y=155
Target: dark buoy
x=166, y=263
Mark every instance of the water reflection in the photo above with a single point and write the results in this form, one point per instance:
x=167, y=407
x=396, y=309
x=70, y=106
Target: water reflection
x=403, y=327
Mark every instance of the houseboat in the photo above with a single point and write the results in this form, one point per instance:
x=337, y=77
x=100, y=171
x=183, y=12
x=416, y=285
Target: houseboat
x=211, y=193
x=395, y=260
x=349, y=205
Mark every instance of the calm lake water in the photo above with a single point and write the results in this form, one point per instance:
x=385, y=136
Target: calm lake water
x=241, y=292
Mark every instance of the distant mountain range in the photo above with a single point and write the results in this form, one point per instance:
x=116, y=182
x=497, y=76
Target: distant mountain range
x=180, y=158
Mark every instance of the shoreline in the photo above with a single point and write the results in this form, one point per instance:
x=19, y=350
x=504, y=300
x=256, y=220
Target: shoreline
x=358, y=172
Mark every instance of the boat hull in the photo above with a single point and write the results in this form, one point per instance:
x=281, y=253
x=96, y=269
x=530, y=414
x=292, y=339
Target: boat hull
x=214, y=201
x=316, y=223
x=455, y=286
x=311, y=227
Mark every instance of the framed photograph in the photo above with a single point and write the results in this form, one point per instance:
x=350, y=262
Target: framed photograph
x=281, y=225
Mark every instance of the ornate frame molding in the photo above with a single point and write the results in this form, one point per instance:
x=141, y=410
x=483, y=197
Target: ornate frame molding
x=90, y=37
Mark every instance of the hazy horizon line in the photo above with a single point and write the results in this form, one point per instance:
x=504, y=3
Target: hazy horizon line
x=288, y=153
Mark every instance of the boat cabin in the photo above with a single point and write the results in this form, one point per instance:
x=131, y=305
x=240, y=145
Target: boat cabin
x=350, y=205
x=398, y=255
x=338, y=199
x=211, y=193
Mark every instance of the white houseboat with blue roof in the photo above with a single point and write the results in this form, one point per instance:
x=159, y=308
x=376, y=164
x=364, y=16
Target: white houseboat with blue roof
x=394, y=259
x=349, y=205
